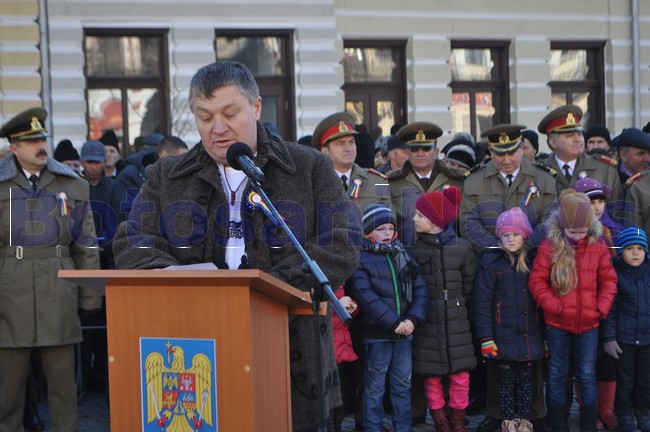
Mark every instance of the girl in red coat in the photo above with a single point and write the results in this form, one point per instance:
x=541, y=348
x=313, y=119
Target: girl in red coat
x=574, y=283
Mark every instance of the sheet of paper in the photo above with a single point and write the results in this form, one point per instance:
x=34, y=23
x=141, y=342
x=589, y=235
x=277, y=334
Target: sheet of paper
x=200, y=266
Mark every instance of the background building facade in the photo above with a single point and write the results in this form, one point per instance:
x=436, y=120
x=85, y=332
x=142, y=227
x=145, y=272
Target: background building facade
x=464, y=65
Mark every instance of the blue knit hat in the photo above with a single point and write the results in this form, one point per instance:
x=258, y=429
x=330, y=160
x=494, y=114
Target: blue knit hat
x=631, y=236
x=377, y=215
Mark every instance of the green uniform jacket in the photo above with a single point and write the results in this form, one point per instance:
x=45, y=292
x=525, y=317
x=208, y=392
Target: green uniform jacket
x=405, y=189
x=638, y=199
x=587, y=166
x=372, y=187
x=36, y=307
x=486, y=195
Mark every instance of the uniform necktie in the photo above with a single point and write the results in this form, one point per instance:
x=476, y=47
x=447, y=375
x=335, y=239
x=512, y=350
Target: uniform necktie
x=344, y=179
x=509, y=176
x=424, y=181
x=566, y=168
x=33, y=179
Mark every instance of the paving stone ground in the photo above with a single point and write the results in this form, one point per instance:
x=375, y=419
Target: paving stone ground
x=94, y=417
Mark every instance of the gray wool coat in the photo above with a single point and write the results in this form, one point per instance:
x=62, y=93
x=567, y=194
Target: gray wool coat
x=193, y=228
x=36, y=307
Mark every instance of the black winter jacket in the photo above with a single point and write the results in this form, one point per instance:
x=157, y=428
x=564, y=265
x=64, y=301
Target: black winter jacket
x=629, y=319
x=443, y=345
x=504, y=309
x=382, y=303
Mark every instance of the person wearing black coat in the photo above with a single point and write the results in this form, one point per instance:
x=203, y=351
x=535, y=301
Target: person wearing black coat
x=443, y=346
x=508, y=321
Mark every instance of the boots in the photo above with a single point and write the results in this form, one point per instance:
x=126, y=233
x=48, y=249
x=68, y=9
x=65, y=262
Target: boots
x=457, y=420
x=439, y=417
x=31, y=420
x=606, y=394
x=588, y=418
x=626, y=422
x=558, y=418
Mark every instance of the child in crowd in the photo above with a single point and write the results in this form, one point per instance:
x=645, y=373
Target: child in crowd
x=442, y=348
x=573, y=281
x=392, y=300
x=605, y=365
x=599, y=195
x=626, y=331
x=345, y=356
x=507, y=320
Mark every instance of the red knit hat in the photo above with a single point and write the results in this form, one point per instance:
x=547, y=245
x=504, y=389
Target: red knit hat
x=441, y=208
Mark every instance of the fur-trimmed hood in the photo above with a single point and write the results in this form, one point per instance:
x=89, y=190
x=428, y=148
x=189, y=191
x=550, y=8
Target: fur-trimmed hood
x=553, y=229
x=9, y=170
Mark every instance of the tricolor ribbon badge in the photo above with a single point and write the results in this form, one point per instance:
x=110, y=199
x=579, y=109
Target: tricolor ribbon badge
x=356, y=190
x=62, y=199
x=255, y=202
x=533, y=192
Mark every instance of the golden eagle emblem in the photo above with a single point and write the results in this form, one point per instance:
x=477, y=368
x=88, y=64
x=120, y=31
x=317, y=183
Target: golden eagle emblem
x=178, y=399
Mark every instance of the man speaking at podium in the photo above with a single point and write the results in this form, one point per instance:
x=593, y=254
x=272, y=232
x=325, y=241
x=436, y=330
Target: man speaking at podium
x=197, y=209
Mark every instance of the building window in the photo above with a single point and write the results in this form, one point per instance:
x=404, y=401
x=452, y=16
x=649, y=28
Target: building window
x=269, y=56
x=126, y=83
x=577, y=77
x=375, y=85
x=479, y=85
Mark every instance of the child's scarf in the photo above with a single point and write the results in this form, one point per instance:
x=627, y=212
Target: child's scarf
x=406, y=268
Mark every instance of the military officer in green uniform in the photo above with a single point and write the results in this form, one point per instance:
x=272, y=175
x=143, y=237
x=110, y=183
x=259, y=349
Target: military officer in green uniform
x=564, y=136
x=423, y=172
x=508, y=180
x=334, y=136
x=47, y=226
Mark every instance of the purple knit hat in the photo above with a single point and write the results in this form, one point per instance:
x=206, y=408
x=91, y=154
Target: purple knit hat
x=513, y=220
x=593, y=188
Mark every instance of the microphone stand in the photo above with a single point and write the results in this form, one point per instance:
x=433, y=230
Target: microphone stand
x=316, y=294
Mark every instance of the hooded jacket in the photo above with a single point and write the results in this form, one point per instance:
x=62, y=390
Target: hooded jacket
x=582, y=308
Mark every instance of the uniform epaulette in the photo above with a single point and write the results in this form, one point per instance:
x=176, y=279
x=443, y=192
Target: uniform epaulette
x=473, y=169
x=606, y=159
x=630, y=181
x=548, y=169
x=377, y=173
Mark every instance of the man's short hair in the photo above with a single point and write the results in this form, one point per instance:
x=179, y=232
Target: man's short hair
x=170, y=143
x=221, y=74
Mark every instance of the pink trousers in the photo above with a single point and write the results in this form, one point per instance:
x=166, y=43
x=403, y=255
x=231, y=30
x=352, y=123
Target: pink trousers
x=458, y=391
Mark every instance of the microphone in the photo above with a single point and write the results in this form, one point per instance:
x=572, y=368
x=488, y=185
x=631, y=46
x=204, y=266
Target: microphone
x=239, y=156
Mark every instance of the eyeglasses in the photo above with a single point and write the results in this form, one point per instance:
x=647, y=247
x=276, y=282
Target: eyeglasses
x=415, y=149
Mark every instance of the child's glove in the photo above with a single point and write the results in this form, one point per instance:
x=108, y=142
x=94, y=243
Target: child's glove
x=489, y=349
x=612, y=348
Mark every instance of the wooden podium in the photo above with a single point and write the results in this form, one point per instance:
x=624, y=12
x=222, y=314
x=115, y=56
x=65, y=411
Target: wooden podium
x=244, y=311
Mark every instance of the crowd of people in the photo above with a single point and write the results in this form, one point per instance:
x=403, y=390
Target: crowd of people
x=489, y=277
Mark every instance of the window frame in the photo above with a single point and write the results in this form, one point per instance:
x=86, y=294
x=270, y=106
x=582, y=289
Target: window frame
x=500, y=88
x=269, y=84
x=160, y=82
x=595, y=85
x=372, y=89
